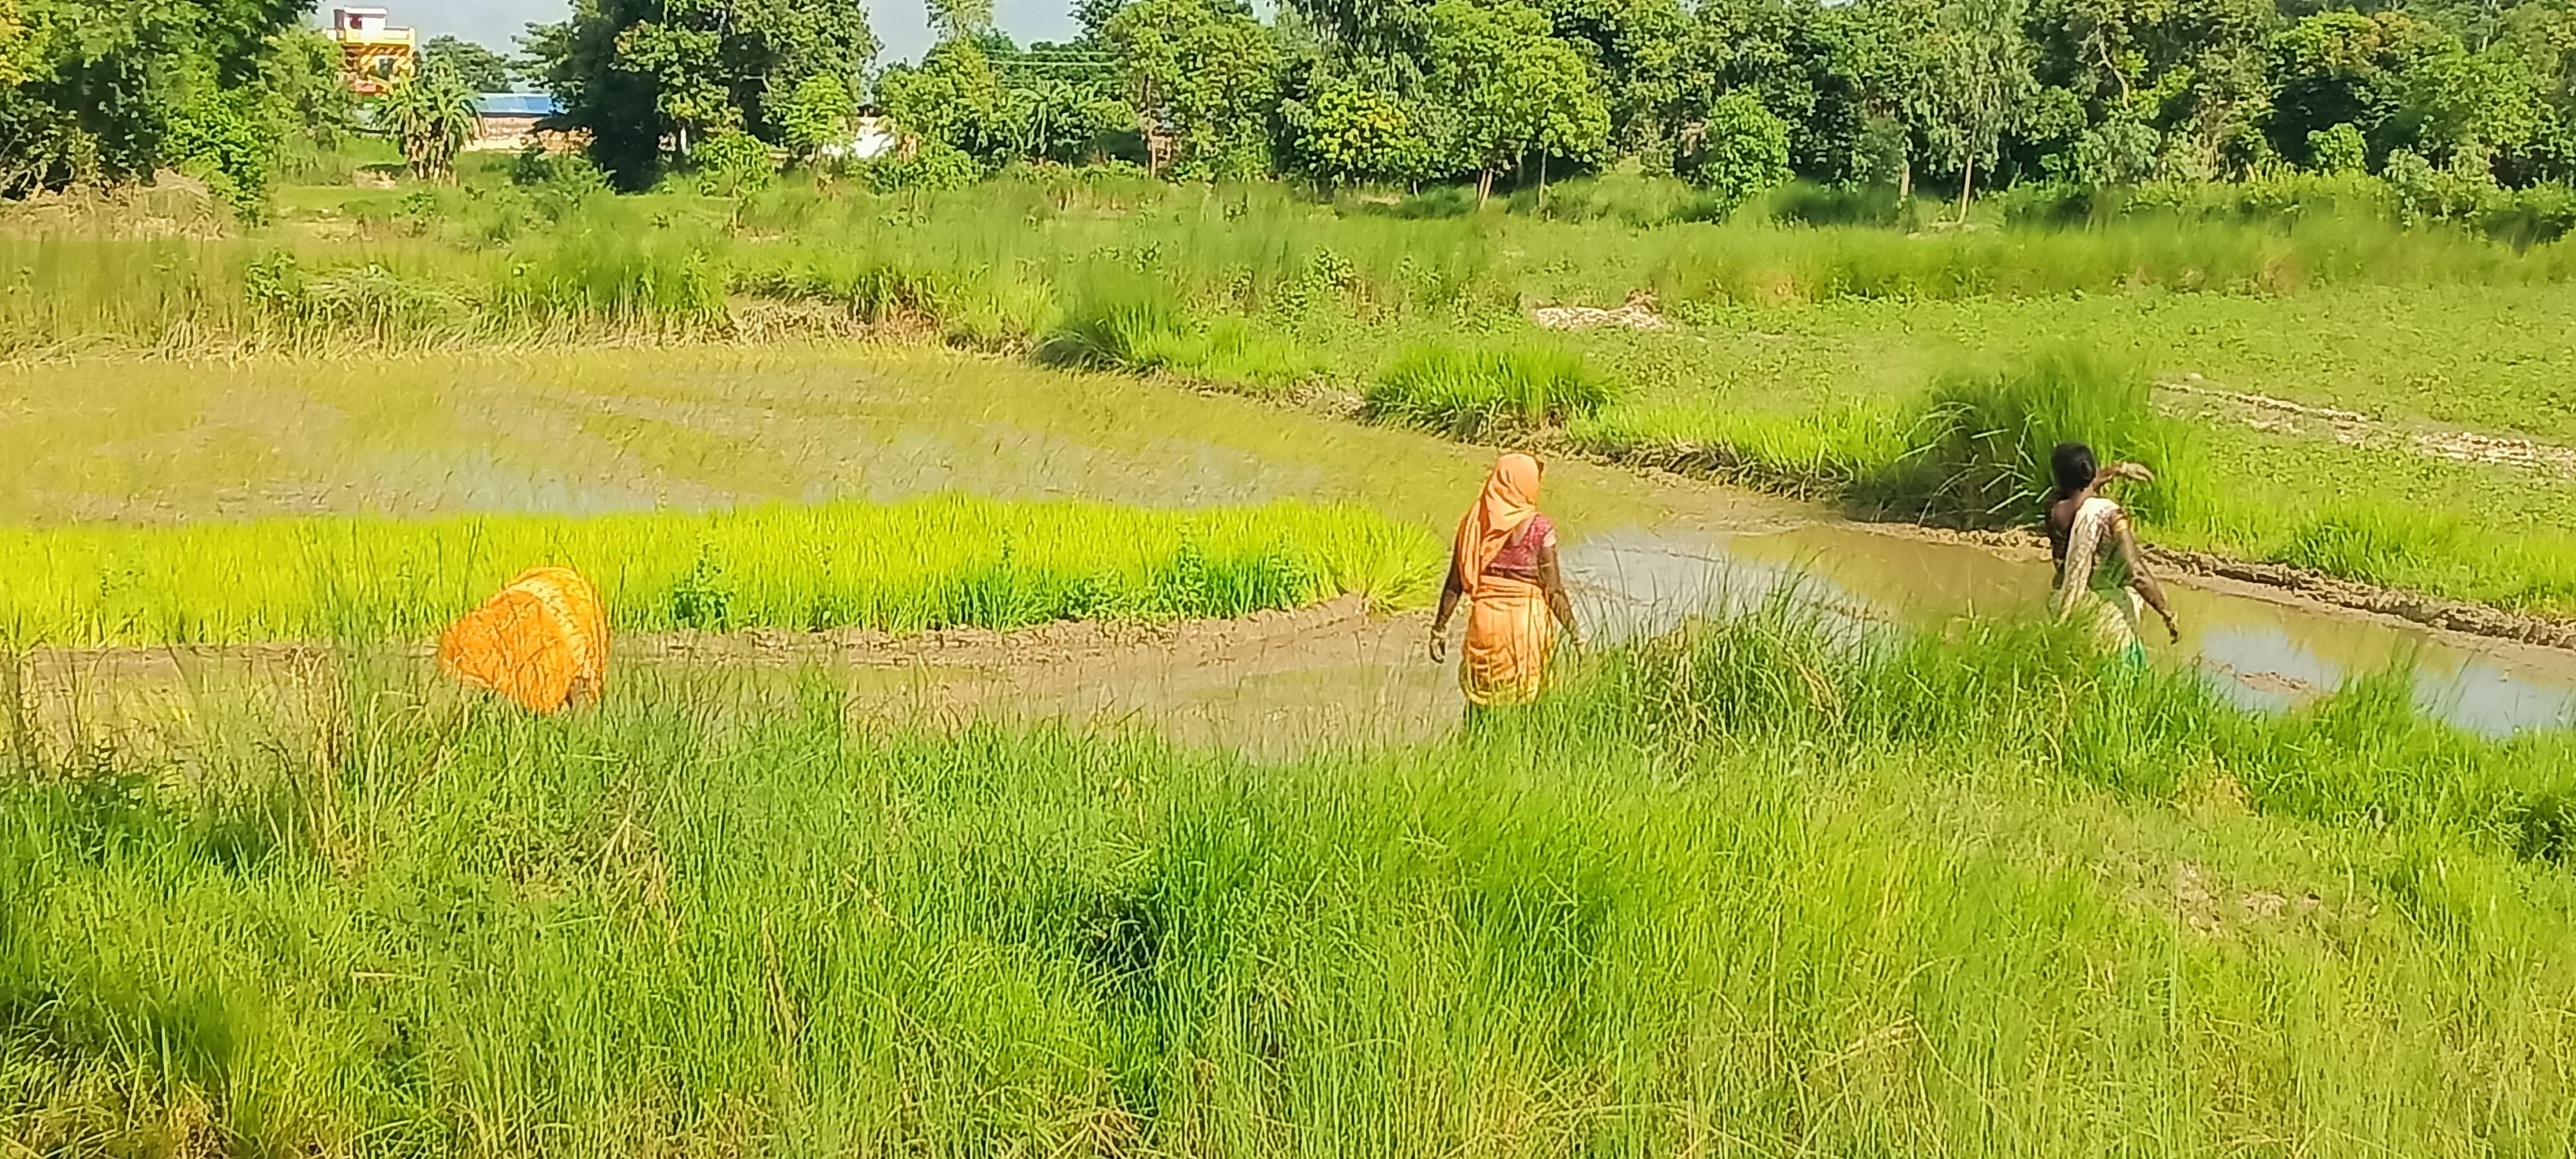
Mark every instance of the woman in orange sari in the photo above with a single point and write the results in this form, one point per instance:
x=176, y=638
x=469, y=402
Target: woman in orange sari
x=1504, y=564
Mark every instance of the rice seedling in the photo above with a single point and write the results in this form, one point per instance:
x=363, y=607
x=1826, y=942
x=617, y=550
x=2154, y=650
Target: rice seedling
x=937, y=562
x=1749, y=888
x=1466, y=392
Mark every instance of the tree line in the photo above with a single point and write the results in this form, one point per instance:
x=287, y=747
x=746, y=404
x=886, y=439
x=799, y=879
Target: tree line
x=1732, y=95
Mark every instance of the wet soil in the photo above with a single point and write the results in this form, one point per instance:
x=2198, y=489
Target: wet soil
x=1270, y=685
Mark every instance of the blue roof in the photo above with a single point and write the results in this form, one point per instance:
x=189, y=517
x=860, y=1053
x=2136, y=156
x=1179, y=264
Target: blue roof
x=515, y=105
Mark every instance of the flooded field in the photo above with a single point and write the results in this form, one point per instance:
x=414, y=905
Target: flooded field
x=613, y=431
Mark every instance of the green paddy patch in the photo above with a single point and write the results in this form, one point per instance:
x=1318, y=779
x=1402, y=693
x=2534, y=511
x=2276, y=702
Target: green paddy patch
x=941, y=561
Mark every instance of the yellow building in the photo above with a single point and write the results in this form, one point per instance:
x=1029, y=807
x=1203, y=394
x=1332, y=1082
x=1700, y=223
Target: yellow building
x=375, y=56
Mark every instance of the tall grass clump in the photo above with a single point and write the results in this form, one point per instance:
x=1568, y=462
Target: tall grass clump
x=1980, y=442
x=1137, y=324
x=1465, y=392
x=945, y=561
x=1742, y=890
x=2039, y=697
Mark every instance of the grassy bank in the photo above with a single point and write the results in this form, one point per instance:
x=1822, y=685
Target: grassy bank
x=1736, y=891
x=490, y=261
x=906, y=566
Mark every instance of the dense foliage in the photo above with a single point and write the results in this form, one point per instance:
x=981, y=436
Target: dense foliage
x=2448, y=103
x=1735, y=95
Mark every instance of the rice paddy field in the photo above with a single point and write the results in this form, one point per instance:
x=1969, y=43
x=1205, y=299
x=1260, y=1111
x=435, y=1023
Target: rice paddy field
x=1824, y=846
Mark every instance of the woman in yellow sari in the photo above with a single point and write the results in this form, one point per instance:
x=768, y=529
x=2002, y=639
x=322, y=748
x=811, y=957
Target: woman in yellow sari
x=1503, y=563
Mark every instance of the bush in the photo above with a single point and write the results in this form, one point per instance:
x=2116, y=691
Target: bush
x=1136, y=325
x=1979, y=447
x=1468, y=392
x=1742, y=151
x=2338, y=150
x=734, y=164
x=228, y=141
x=931, y=166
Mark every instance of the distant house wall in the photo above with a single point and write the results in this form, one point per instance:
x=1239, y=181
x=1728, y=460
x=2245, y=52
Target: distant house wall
x=374, y=55
x=508, y=123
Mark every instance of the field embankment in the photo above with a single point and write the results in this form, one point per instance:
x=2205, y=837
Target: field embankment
x=1740, y=888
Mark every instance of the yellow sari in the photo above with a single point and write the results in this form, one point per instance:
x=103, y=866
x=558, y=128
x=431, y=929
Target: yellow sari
x=1509, y=630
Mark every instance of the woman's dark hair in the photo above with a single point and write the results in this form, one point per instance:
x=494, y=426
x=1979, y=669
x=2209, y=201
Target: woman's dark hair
x=2072, y=464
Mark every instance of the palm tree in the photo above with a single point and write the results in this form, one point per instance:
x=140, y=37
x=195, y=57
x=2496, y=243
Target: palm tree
x=432, y=114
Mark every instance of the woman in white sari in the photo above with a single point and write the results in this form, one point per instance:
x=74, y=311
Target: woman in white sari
x=2101, y=576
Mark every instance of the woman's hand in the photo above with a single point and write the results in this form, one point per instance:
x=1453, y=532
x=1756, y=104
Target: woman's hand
x=2173, y=627
x=1439, y=644
x=2133, y=472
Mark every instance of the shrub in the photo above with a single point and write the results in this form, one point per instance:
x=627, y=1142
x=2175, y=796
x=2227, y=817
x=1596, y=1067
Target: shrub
x=2338, y=150
x=734, y=164
x=1743, y=150
x=1136, y=325
x=1980, y=444
x=1467, y=392
x=931, y=166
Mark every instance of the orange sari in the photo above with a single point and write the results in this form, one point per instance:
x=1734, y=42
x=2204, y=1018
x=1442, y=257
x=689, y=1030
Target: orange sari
x=1509, y=630
x=542, y=641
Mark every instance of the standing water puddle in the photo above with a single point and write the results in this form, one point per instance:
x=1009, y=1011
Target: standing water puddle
x=602, y=430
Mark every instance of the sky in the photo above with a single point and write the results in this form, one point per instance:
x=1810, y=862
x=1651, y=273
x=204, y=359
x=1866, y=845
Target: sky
x=902, y=25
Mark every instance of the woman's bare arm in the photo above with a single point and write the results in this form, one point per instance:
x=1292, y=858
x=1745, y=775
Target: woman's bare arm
x=1450, y=594
x=2140, y=579
x=1553, y=583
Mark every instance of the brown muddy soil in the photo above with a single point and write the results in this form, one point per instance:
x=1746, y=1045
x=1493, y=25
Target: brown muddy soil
x=1271, y=685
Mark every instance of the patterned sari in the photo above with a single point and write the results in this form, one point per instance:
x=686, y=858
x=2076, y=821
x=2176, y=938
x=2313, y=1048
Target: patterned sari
x=1509, y=630
x=2095, y=585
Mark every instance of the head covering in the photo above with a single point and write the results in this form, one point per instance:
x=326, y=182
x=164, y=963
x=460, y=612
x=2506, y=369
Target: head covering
x=1509, y=502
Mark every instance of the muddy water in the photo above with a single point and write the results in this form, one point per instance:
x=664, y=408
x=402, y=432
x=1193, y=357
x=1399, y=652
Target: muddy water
x=604, y=431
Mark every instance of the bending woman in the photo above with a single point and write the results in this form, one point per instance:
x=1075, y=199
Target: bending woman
x=1504, y=564
x=2100, y=573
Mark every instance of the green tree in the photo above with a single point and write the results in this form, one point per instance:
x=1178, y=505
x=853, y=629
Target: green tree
x=226, y=138
x=1351, y=132
x=815, y=115
x=1979, y=76
x=2453, y=99
x=961, y=19
x=735, y=165
x=481, y=69
x=301, y=75
x=953, y=97
x=94, y=90
x=1204, y=83
x=2345, y=68
x=432, y=116
x=1742, y=150
x=1884, y=48
x=648, y=78
x=1512, y=90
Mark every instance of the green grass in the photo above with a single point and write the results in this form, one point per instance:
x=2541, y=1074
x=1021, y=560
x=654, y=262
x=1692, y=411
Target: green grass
x=937, y=562
x=1740, y=891
x=1469, y=392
